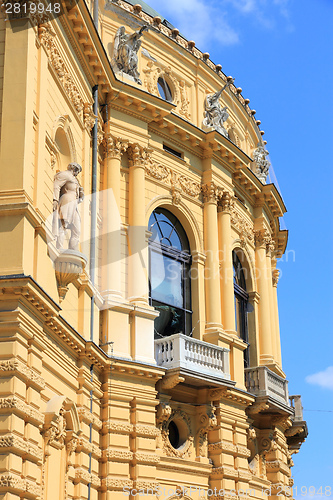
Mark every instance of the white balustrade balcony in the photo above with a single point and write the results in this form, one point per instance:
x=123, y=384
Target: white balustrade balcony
x=261, y=381
x=182, y=352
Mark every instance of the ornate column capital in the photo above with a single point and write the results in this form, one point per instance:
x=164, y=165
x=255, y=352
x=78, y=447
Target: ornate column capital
x=138, y=155
x=114, y=146
x=275, y=277
x=210, y=192
x=226, y=202
x=263, y=239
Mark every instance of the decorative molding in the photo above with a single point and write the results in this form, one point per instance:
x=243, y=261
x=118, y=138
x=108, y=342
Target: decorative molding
x=118, y=455
x=147, y=485
x=21, y=446
x=85, y=477
x=138, y=155
x=119, y=427
x=86, y=416
x=89, y=117
x=168, y=449
x=46, y=37
x=11, y=481
x=263, y=239
x=243, y=227
x=146, y=458
x=142, y=430
x=14, y=365
x=22, y=408
x=83, y=444
x=115, y=484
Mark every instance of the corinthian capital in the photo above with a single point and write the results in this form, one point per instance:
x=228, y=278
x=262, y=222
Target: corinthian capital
x=226, y=202
x=262, y=238
x=210, y=192
x=114, y=146
x=138, y=155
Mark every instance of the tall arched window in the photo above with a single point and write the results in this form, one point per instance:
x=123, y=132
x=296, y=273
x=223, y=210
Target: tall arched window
x=169, y=279
x=241, y=304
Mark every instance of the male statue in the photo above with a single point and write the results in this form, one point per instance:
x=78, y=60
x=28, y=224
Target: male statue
x=125, y=51
x=67, y=194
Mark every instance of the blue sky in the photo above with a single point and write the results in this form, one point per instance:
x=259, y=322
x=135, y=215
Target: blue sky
x=280, y=53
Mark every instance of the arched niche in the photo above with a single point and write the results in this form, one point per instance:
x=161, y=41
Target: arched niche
x=63, y=142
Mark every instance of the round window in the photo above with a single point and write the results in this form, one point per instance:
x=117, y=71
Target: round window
x=178, y=433
x=164, y=89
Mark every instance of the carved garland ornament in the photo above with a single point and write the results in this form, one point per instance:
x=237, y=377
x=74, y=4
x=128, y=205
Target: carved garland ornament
x=168, y=449
x=243, y=227
x=46, y=36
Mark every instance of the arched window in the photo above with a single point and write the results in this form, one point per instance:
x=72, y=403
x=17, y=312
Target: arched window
x=241, y=304
x=164, y=89
x=169, y=279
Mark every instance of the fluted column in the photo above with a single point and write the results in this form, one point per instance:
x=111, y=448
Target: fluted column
x=225, y=243
x=114, y=148
x=262, y=238
x=138, y=248
x=275, y=279
x=212, y=272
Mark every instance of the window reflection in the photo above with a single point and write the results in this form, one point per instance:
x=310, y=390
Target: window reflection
x=169, y=283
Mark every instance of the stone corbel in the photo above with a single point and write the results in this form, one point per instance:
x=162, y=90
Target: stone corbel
x=61, y=424
x=207, y=420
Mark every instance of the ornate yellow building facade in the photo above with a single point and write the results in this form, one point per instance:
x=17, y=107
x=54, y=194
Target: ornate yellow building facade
x=145, y=359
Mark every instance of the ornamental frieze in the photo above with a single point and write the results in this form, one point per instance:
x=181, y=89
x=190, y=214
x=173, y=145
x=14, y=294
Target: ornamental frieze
x=86, y=416
x=46, y=37
x=243, y=227
x=14, y=365
x=24, y=409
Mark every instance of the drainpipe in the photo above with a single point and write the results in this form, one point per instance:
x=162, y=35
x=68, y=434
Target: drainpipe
x=93, y=208
x=90, y=427
x=95, y=14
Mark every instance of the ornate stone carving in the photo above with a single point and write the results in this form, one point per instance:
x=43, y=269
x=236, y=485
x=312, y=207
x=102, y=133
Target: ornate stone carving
x=14, y=365
x=226, y=202
x=210, y=192
x=55, y=434
x=125, y=52
x=22, y=408
x=46, y=36
x=89, y=117
x=88, y=417
x=207, y=421
x=261, y=164
x=138, y=155
x=21, y=446
x=119, y=427
x=114, y=146
x=184, y=101
x=215, y=115
x=262, y=238
x=170, y=381
x=145, y=430
x=163, y=413
x=67, y=194
x=243, y=227
x=176, y=194
x=146, y=458
x=189, y=187
x=114, y=484
x=84, y=476
x=168, y=449
x=155, y=170
x=118, y=455
x=275, y=276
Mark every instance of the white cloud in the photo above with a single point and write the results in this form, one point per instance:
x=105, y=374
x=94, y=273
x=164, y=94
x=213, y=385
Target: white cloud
x=198, y=20
x=323, y=379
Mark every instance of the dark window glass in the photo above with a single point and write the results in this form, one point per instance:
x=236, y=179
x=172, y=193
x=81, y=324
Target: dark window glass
x=169, y=282
x=164, y=89
x=241, y=304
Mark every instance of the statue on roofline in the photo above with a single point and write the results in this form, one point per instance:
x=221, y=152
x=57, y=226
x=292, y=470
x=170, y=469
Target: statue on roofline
x=125, y=52
x=215, y=115
x=261, y=164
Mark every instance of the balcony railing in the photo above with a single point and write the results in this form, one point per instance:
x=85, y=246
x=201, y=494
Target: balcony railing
x=261, y=381
x=181, y=351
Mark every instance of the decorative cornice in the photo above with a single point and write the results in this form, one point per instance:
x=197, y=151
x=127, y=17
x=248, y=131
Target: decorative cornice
x=11, y=482
x=118, y=455
x=86, y=416
x=85, y=477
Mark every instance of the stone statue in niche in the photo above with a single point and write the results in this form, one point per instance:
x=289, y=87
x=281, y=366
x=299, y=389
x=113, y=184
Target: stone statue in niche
x=215, y=115
x=67, y=194
x=125, y=52
x=261, y=164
